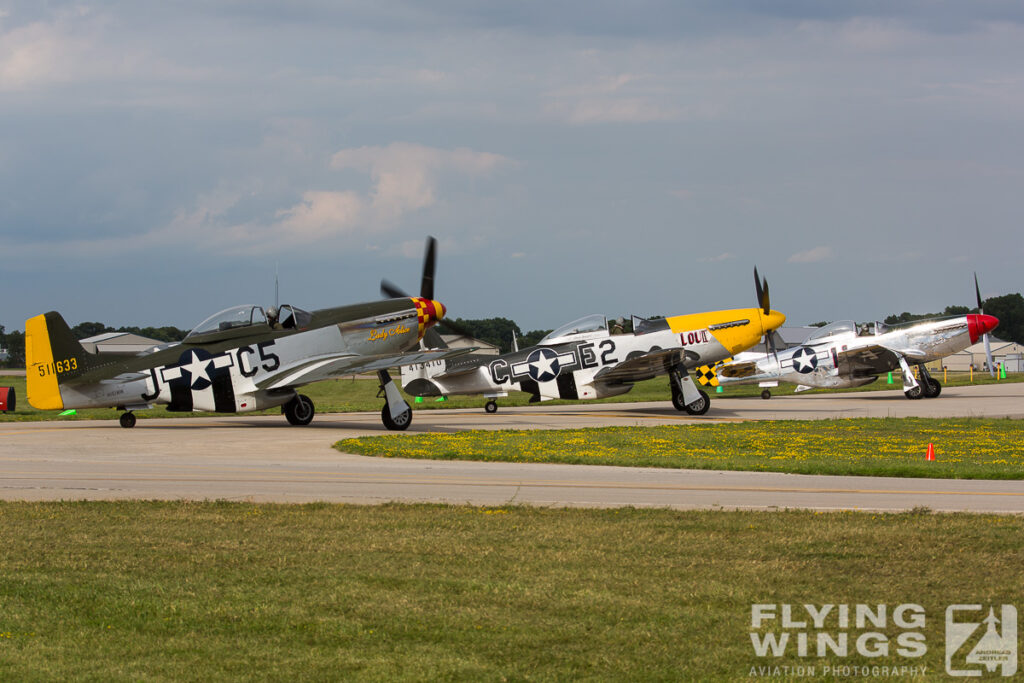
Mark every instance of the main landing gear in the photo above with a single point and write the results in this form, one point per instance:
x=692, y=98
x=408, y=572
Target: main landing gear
x=682, y=389
x=396, y=413
x=927, y=386
x=299, y=411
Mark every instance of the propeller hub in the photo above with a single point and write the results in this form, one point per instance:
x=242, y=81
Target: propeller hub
x=428, y=313
x=979, y=325
x=772, y=321
x=439, y=309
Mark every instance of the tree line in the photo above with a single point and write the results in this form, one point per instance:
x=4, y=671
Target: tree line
x=14, y=342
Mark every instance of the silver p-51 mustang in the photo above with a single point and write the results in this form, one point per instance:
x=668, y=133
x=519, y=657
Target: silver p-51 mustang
x=841, y=355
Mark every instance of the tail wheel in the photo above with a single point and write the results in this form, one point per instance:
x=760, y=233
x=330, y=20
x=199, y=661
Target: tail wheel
x=766, y=394
x=933, y=388
x=127, y=420
x=491, y=406
x=300, y=410
x=399, y=424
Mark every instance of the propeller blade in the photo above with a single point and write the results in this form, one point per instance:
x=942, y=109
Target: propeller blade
x=757, y=288
x=455, y=327
x=432, y=340
x=429, y=264
x=984, y=337
x=761, y=287
x=988, y=356
x=389, y=290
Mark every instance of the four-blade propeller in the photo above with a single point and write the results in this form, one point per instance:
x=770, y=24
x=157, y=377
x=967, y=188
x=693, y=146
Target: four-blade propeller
x=390, y=290
x=764, y=301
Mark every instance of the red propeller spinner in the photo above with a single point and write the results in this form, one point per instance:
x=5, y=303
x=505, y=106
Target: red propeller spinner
x=979, y=325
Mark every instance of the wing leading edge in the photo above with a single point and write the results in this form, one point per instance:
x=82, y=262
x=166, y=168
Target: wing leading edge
x=329, y=367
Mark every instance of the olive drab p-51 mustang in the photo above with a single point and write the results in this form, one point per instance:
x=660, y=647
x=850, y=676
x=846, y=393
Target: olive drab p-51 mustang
x=241, y=359
x=586, y=360
x=845, y=355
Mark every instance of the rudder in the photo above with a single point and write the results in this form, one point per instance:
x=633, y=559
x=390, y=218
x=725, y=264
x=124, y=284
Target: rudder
x=52, y=356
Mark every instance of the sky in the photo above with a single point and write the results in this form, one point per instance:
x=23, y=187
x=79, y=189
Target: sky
x=160, y=161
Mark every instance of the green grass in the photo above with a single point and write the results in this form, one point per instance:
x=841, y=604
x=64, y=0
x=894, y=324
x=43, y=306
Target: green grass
x=216, y=591
x=353, y=395
x=967, y=448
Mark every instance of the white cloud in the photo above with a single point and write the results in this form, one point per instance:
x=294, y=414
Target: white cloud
x=32, y=54
x=405, y=175
x=321, y=214
x=623, y=110
x=815, y=255
x=405, y=180
x=725, y=256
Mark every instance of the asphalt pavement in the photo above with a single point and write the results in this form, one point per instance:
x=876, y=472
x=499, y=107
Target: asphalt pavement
x=263, y=459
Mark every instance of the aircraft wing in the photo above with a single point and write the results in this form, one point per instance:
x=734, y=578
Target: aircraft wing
x=874, y=359
x=327, y=367
x=463, y=367
x=640, y=367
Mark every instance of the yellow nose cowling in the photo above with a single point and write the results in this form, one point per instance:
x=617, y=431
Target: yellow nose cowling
x=737, y=329
x=773, y=321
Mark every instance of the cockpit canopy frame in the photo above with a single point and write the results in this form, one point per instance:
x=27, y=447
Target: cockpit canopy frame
x=587, y=327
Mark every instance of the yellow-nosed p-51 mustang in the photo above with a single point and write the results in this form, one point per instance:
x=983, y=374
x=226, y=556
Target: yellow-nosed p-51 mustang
x=586, y=360
x=241, y=359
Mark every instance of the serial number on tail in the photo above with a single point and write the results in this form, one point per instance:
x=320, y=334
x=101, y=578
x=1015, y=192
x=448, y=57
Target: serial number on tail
x=58, y=367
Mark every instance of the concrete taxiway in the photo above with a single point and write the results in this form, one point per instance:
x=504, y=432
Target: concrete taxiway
x=263, y=459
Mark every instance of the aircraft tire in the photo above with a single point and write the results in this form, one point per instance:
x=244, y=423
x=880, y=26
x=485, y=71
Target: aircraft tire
x=299, y=411
x=399, y=425
x=915, y=393
x=766, y=394
x=677, y=400
x=127, y=420
x=933, y=389
x=491, y=406
x=700, y=406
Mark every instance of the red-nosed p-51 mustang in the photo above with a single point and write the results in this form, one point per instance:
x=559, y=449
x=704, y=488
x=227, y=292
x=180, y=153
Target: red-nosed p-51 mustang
x=844, y=355
x=241, y=359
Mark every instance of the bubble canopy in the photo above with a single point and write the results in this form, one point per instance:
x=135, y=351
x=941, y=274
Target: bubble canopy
x=833, y=329
x=577, y=329
x=232, y=318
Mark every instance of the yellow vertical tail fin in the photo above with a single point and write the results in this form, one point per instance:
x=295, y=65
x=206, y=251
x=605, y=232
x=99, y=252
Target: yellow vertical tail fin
x=42, y=369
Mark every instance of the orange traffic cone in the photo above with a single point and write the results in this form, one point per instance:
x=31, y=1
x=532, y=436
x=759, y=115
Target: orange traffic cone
x=930, y=455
